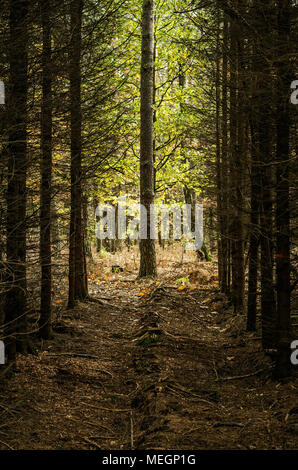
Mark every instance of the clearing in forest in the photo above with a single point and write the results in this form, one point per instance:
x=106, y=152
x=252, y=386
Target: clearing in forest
x=161, y=364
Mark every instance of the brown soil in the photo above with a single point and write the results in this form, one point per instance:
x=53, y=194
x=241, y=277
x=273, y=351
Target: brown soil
x=157, y=366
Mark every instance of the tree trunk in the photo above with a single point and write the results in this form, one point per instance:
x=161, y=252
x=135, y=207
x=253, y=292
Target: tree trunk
x=77, y=272
x=15, y=301
x=225, y=243
x=282, y=192
x=255, y=189
x=46, y=174
x=147, y=245
x=236, y=166
x=254, y=235
x=219, y=169
x=265, y=30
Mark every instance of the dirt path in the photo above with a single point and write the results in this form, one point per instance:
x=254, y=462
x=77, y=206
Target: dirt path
x=149, y=371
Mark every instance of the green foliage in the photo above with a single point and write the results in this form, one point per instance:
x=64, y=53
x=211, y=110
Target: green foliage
x=111, y=91
x=183, y=280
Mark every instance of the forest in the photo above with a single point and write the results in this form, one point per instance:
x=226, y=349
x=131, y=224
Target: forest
x=148, y=225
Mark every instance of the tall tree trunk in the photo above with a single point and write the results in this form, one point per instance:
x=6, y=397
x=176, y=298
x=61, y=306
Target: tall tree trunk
x=147, y=245
x=153, y=104
x=77, y=272
x=46, y=174
x=225, y=284
x=254, y=235
x=189, y=193
x=282, y=192
x=15, y=301
x=219, y=169
x=265, y=31
x=242, y=157
x=255, y=189
x=236, y=164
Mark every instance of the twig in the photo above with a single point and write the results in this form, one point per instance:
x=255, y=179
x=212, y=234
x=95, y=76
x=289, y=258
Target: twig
x=191, y=430
x=101, y=302
x=116, y=410
x=238, y=425
x=7, y=445
x=95, y=425
x=92, y=442
x=4, y=372
x=178, y=337
x=71, y=354
x=124, y=394
x=105, y=371
x=6, y=409
x=214, y=368
x=191, y=394
x=242, y=376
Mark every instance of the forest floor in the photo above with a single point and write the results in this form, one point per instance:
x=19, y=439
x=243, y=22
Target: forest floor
x=159, y=364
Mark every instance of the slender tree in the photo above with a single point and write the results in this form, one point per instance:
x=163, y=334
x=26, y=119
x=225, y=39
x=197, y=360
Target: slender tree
x=236, y=165
x=255, y=183
x=15, y=302
x=46, y=173
x=147, y=245
x=219, y=168
x=225, y=242
x=265, y=30
x=283, y=65
x=77, y=273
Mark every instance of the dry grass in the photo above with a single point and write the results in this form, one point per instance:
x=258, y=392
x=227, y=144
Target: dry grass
x=172, y=263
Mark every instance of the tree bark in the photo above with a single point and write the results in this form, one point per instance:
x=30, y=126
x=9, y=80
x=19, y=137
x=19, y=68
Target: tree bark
x=265, y=30
x=255, y=189
x=15, y=301
x=219, y=169
x=284, y=77
x=77, y=272
x=225, y=283
x=147, y=245
x=46, y=174
x=236, y=166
